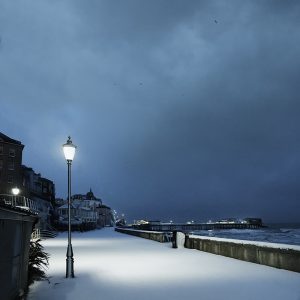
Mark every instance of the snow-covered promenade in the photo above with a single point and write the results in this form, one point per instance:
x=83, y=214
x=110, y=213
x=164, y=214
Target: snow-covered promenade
x=115, y=266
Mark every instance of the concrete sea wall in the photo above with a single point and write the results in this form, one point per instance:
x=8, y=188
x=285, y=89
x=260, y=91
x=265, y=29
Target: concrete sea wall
x=157, y=236
x=282, y=258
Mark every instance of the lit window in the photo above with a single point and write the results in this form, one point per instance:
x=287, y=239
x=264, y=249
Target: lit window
x=12, y=152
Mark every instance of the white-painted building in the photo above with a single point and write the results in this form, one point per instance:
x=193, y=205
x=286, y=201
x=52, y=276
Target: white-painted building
x=87, y=212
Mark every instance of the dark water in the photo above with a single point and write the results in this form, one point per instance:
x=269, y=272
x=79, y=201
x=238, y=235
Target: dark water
x=284, y=233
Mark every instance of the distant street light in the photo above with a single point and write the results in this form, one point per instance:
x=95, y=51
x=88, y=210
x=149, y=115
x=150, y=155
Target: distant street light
x=15, y=192
x=69, y=152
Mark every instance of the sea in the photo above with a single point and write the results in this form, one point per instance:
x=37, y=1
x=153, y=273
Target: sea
x=283, y=233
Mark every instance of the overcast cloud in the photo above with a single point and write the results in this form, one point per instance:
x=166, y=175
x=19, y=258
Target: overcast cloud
x=180, y=109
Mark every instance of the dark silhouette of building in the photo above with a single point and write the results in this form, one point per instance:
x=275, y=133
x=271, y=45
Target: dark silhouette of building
x=10, y=164
x=36, y=192
x=88, y=196
x=37, y=186
x=42, y=191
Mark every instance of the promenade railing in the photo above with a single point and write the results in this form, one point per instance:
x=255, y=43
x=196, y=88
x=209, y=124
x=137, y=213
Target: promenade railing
x=20, y=202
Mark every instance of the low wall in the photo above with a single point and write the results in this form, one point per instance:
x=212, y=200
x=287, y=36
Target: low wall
x=288, y=259
x=277, y=257
x=15, y=231
x=157, y=236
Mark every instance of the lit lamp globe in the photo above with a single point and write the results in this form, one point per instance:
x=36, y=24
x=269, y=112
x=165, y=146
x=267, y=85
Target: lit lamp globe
x=69, y=150
x=15, y=191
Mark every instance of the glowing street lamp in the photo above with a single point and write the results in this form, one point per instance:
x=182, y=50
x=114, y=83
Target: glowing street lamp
x=15, y=192
x=69, y=152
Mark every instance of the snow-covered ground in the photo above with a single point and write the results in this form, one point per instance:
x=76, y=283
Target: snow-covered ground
x=112, y=266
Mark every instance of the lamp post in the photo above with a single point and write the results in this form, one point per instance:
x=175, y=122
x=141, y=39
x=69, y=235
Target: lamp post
x=69, y=152
x=15, y=192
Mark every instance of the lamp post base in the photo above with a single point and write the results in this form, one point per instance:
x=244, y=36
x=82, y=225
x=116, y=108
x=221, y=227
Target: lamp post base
x=70, y=263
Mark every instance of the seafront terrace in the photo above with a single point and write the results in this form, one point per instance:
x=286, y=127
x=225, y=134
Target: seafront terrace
x=112, y=266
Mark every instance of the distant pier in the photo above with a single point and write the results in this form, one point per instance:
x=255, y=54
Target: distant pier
x=196, y=226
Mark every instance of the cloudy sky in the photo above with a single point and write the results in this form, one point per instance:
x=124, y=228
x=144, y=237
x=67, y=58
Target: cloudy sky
x=180, y=109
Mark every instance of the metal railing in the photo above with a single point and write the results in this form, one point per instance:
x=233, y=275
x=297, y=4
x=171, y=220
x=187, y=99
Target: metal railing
x=36, y=234
x=32, y=206
x=20, y=202
x=42, y=234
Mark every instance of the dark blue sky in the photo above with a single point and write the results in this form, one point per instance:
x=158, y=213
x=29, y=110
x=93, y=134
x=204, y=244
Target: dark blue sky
x=180, y=109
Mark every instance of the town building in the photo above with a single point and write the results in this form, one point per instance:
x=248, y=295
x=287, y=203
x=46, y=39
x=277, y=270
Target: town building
x=42, y=191
x=35, y=192
x=10, y=164
x=87, y=212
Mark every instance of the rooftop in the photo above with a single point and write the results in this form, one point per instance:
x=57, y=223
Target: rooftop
x=7, y=139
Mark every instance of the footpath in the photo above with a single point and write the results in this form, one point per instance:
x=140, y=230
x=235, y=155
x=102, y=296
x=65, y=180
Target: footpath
x=112, y=266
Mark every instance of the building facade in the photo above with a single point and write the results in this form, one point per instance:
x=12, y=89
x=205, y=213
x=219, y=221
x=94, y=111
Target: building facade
x=35, y=192
x=42, y=191
x=87, y=212
x=36, y=185
x=10, y=164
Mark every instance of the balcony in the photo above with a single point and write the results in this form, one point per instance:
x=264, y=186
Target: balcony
x=19, y=202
